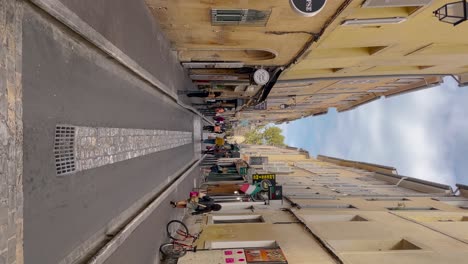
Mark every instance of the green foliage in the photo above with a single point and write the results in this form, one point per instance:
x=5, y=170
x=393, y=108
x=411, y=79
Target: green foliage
x=273, y=136
x=254, y=137
x=265, y=136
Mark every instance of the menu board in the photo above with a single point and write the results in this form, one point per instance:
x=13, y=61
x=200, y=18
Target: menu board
x=265, y=256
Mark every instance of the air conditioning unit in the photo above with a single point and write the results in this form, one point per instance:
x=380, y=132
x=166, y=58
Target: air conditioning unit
x=395, y=3
x=373, y=21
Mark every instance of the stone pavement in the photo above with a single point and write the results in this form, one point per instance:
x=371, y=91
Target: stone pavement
x=96, y=147
x=197, y=136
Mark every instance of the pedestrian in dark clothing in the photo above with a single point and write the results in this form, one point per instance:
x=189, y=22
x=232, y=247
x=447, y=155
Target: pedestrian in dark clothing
x=203, y=94
x=215, y=129
x=207, y=209
x=218, y=119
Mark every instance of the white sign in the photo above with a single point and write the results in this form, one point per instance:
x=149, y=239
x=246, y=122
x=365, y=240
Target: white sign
x=261, y=77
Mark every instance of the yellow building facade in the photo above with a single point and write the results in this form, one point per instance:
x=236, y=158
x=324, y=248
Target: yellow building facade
x=363, y=41
x=350, y=53
x=341, y=211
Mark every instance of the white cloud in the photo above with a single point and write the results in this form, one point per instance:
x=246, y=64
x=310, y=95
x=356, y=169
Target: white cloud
x=422, y=134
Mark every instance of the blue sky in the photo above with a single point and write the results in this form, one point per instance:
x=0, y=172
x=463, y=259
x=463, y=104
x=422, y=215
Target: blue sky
x=423, y=134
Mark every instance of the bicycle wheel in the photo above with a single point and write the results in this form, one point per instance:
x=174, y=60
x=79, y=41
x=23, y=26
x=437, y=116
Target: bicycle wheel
x=176, y=227
x=172, y=251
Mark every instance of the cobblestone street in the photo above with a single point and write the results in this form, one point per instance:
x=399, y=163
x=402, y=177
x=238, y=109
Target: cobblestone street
x=96, y=147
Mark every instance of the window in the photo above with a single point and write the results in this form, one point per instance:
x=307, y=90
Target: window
x=460, y=202
x=374, y=245
x=404, y=208
x=358, y=81
x=409, y=80
x=387, y=199
x=395, y=3
x=382, y=88
x=236, y=219
x=374, y=21
x=404, y=245
x=440, y=218
x=250, y=17
x=241, y=244
x=258, y=160
x=333, y=218
x=327, y=206
x=310, y=196
x=279, y=167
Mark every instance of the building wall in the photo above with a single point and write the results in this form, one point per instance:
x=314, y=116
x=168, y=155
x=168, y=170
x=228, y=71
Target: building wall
x=298, y=246
x=390, y=49
x=377, y=239
x=188, y=25
x=315, y=97
x=357, y=216
x=338, y=50
x=424, y=214
x=11, y=134
x=319, y=52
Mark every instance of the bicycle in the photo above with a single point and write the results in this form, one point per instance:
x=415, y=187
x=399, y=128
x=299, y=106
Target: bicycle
x=176, y=248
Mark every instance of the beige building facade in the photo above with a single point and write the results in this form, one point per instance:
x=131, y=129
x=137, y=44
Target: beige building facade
x=350, y=53
x=291, y=100
x=341, y=211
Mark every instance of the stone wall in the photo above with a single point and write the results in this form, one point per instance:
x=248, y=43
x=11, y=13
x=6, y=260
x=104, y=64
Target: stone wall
x=11, y=138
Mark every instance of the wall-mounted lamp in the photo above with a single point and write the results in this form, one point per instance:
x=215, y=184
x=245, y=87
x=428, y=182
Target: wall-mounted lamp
x=453, y=13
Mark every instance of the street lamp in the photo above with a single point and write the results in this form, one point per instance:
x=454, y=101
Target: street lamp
x=453, y=13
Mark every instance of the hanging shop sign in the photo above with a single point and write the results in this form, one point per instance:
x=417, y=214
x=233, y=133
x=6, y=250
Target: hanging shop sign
x=265, y=180
x=276, y=192
x=307, y=8
x=261, y=77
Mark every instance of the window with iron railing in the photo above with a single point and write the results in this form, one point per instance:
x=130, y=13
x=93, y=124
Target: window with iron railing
x=247, y=17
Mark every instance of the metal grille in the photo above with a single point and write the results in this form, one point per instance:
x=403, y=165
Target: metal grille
x=247, y=17
x=64, y=149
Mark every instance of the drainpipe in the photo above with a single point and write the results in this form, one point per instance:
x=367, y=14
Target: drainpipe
x=267, y=88
x=314, y=37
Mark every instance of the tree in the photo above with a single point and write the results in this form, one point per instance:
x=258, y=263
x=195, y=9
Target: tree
x=265, y=136
x=272, y=136
x=254, y=137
